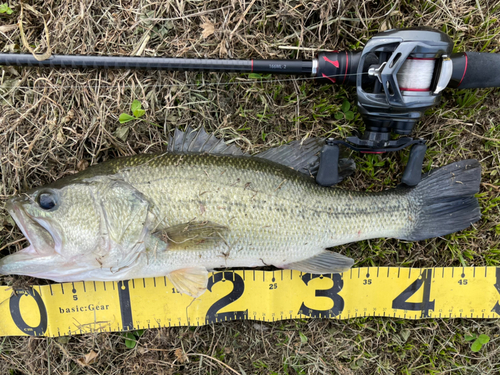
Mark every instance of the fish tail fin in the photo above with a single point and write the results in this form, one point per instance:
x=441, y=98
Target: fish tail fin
x=446, y=201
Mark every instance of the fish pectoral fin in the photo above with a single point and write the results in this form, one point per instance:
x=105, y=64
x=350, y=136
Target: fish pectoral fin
x=192, y=235
x=324, y=262
x=191, y=281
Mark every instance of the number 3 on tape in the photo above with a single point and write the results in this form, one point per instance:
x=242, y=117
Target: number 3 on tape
x=332, y=293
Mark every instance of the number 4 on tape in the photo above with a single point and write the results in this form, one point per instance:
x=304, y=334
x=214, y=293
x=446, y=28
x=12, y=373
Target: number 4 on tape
x=401, y=301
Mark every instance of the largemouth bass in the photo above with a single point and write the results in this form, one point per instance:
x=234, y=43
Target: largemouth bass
x=206, y=205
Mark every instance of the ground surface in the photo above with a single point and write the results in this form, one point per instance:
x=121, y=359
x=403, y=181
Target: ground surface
x=54, y=122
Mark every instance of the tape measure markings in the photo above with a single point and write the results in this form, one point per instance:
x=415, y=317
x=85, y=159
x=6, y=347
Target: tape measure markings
x=81, y=307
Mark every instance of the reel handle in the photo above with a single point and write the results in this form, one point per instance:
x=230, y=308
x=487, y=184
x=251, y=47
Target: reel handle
x=413, y=171
x=328, y=172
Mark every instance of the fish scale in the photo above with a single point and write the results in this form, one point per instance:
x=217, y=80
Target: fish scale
x=298, y=218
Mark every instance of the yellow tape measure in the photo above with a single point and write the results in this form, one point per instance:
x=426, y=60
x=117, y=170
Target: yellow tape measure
x=409, y=293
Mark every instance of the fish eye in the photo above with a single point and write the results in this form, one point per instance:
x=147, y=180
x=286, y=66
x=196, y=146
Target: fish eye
x=46, y=200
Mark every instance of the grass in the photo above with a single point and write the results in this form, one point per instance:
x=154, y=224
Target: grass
x=54, y=122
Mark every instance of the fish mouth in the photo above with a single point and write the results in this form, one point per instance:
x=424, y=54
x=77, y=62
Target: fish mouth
x=41, y=236
x=43, y=252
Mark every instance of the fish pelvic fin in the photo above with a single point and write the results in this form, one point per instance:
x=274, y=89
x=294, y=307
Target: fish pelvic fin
x=191, y=281
x=193, y=235
x=324, y=262
x=446, y=201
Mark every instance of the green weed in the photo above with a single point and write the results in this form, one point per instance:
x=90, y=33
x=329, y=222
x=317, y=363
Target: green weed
x=4, y=8
x=137, y=112
x=132, y=337
x=345, y=112
x=478, y=341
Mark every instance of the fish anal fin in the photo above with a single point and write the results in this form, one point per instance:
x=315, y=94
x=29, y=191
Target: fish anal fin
x=191, y=281
x=192, y=235
x=324, y=262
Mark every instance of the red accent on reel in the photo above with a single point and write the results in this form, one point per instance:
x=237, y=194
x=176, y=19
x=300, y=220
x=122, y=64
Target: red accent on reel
x=410, y=89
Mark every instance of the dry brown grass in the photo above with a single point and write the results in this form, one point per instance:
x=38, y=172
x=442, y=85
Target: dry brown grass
x=54, y=122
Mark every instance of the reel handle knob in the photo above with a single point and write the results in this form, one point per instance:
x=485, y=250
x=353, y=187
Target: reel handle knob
x=328, y=172
x=413, y=171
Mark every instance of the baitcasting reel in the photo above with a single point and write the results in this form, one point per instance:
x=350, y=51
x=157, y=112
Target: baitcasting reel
x=400, y=74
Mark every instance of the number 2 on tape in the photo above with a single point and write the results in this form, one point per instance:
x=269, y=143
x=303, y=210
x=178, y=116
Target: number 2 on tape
x=213, y=314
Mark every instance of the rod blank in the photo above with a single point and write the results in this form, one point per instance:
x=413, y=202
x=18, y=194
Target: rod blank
x=161, y=63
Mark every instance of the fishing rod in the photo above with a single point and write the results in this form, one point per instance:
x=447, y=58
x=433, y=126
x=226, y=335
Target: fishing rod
x=398, y=75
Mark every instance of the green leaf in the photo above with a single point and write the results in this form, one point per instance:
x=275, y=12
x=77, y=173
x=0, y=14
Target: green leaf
x=135, y=105
x=483, y=339
x=4, y=8
x=303, y=338
x=139, y=112
x=255, y=76
x=125, y=118
x=470, y=338
x=130, y=340
x=349, y=115
x=476, y=346
x=139, y=333
x=345, y=106
x=339, y=116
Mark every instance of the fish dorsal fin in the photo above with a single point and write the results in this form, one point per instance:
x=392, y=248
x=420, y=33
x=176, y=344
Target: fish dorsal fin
x=195, y=235
x=191, y=281
x=303, y=156
x=200, y=142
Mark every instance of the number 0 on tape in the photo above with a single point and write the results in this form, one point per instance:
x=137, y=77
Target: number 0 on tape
x=409, y=293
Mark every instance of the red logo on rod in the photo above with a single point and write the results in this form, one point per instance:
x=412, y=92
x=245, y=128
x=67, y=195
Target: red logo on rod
x=334, y=63
x=330, y=78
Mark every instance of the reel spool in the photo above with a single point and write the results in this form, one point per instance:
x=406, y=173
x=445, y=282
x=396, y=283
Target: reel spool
x=408, y=70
